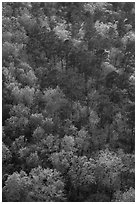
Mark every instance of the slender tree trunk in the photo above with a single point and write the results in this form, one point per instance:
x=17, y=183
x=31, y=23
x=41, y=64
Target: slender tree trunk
x=62, y=65
x=66, y=62
x=86, y=94
x=132, y=147
x=54, y=60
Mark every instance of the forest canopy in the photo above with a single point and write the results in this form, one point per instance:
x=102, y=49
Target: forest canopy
x=68, y=101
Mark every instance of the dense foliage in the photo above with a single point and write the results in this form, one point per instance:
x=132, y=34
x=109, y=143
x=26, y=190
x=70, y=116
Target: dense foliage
x=68, y=101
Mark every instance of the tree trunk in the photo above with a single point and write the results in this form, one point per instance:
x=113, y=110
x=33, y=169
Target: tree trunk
x=86, y=94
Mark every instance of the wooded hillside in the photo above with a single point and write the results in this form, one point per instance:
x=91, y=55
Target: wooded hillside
x=68, y=101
